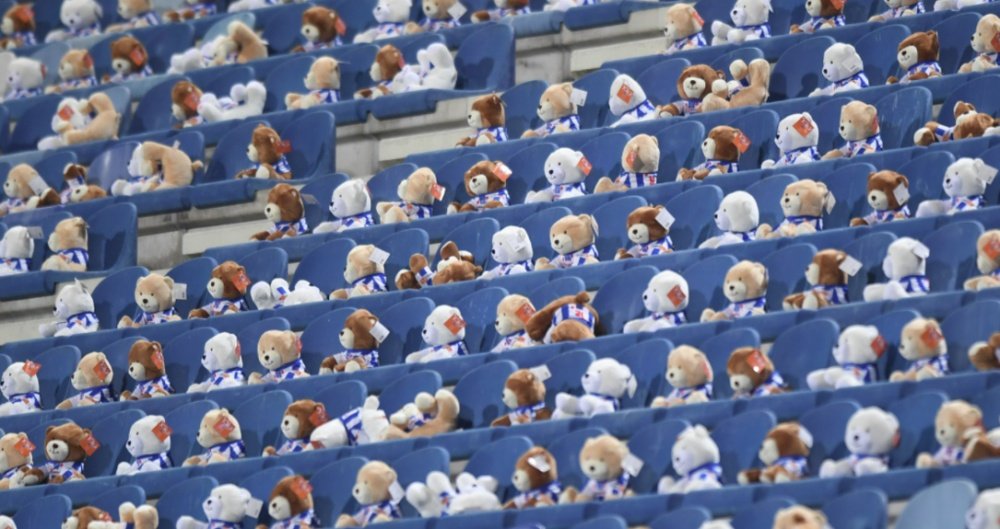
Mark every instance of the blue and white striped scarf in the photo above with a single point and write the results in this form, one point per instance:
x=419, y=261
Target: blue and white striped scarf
x=293, y=446
x=571, y=122
x=149, y=17
x=389, y=29
x=608, y=489
x=414, y=211
x=370, y=356
x=499, y=133
x=577, y=258
x=299, y=226
x=92, y=29
x=835, y=294
x=870, y=144
x=26, y=38
x=369, y=513
x=67, y=470
x=559, y=191
x=634, y=180
x=75, y=255
x=361, y=220
x=146, y=71
x=28, y=401
x=801, y=155
x=915, y=283
x=673, y=318
x=899, y=12
x=94, y=395
x=326, y=95
x=513, y=340
x=694, y=41
x=796, y=220
x=218, y=378
x=231, y=450
x=925, y=67
x=222, y=306
x=151, y=462
x=722, y=166
x=289, y=371
x=641, y=111
x=456, y=348
x=684, y=393
x=281, y=167
x=773, y=383
x=745, y=308
x=687, y=107
x=887, y=215
x=939, y=363
x=525, y=414
x=373, y=283
x=797, y=466
x=151, y=387
x=22, y=93
x=309, y=45
x=437, y=24
x=762, y=31
x=859, y=78
x=657, y=247
x=303, y=520
x=506, y=269
x=480, y=201
x=706, y=472
x=863, y=371
x=82, y=319
x=550, y=490
x=17, y=264
x=151, y=318
x=966, y=203
x=815, y=24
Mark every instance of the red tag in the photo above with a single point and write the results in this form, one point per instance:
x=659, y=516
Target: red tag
x=697, y=17
x=501, y=171
x=31, y=368
x=992, y=249
x=803, y=126
x=525, y=312
x=455, y=324
x=24, y=447
x=319, y=416
x=875, y=123
x=630, y=158
x=757, y=361
x=338, y=24
x=66, y=112
x=625, y=94
x=241, y=282
x=298, y=345
x=138, y=57
x=284, y=147
x=158, y=359
x=931, y=337
x=437, y=191
x=676, y=295
x=301, y=487
x=879, y=346
x=102, y=370
x=162, y=431
x=224, y=427
x=239, y=350
x=89, y=445
x=401, y=62
x=191, y=102
x=88, y=61
x=741, y=141
x=837, y=4
x=996, y=42
x=707, y=369
x=584, y=165
x=895, y=439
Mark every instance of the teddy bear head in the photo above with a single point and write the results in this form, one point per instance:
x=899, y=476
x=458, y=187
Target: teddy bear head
x=572, y=233
x=15, y=451
x=357, y=331
x=290, y=497
x=683, y=21
x=523, y=388
x=797, y=131
x=392, y=10
x=824, y=8
x=78, y=14
x=229, y=281
x=128, y=55
x=148, y=435
x=92, y=371
x=535, y=468
x=807, y=198
x=905, y=257
x=641, y=154
x=745, y=280
x=418, y=188
x=24, y=73
x=76, y=64
x=988, y=251
x=513, y=312
x=799, y=517
x=859, y=344
x=227, y=503
x=265, y=146
x=967, y=177
x=485, y=177
x=556, y=102
x=301, y=418
x=69, y=233
x=511, y=245
x=19, y=180
x=17, y=244
x=921, y=46
x=986, y=31
x=154, y=293
x=565, y=166
x=872, y=431
x=443, y=325
x=437, y=9
x=693, y=448
x=360, y=263
x=487, y=111
x=222, y=352
x=687, y=367
x=956, y=422
x=643, y=226
x=374, y=483
x=825, y=268
x=19, y=378
x=81, y=518
x=882, y=190
x=217, y=427
x=667, y=291
x=695, y=82
x=278, y=348
x=185, y=97
x=737, y=212
x=284, y=204
x=350, y=198
x=748, y=369
x=132, y=8
x=858, y=120
x=67, y=442
x=73, y=299
x=145, y=360
x=388, y=62
x=19, y=18
x=723, y=143
x=750, y=12
x=322, y=24
x=324, y=74
x=602, y=457
x=607, y=376
x=626, y=94
x=922, y=338
x=788, y=439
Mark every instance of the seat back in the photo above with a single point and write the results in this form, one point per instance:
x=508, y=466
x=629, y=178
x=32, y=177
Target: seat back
x=827, y=424
x=612, y=219
x=684, y=139
x=112, y=237
x=48, y=511
x=527, y=168
x=653, y=444
x=718, y=348
x=595, y=112
x=858, y=509
x=795, y=74
x=660, y=80
x=331, y=490
x=901, y=113
x=705, y=283
x=184, y=498
x=878, y=51
x=480, y=391
x=916, y=426
x=521, y=103
x=403, y=390
x=313, y=139
x=604, y=154
x=694, y=210
x=949, y=261
x=111, y=432
x=114, y=296
x=486, y=67
x=401, y=245
x=315, y=266
x=58, y=365
x=479, y=311
x=185, y=421
x=940, y=505
x=405, y=321
x=260, y=420
x=620, y=298
x=230, y=157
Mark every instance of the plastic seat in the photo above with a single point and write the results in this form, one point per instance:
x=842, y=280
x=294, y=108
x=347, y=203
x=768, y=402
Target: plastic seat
x=901, y=113
x=975, y=91
x=27, y=132
x=950, y=261
x=595, y=112
x=312, y=138
x=965, y=326
x=653, y=444
x=739, y=438
x=221, y=27
x=521, y=103
x=718, y=348
x=705, y=283
x=647, y=360
x=230, y=153
x=604, y=154
x=341, y=397
x=475, y=237
x=941, y=505
x=332, y=486
x=827, y=425
x=612, y=218
x=859, y=509
x=403, y=390
x=694, y=210
x=451, y=176
x=550, y=290
x=821, y=334
x=849, y=185
x=620, y=298
x=49, y=511
x=405, y=321
x=684, y=141
x=526, y=168
x=110, y=500
x=321, y=337
x=58, y=365
x=383, y=185
x=497, y=459
x=195, y=273
x=786, y=272
x=760, y=515
x=265, y=265
x=112, y=237
x=660, y=80
x=112, y=432
x=117, y=353
x=925, y=174
x=260, y=419
x=479, y=311
x=890, y=326
x=566, y=450
x=759, y=127
x=566, y=369
x=878, y=51
x=683, y=518
x=480, y=391
x=250, y=335
x=415, y=466
x=315, y=266
x=537, y=226
x=953, y=49
x=795, y=74
x=153, y=109
x=185, y=421
x=185, y=498
x=401, y=245
x=916, y=426
x=49, y=55
x=317, y=196
x=603, y=522
x=743, y=53
x=486, y=67
x=768, y=193
x=183, y=354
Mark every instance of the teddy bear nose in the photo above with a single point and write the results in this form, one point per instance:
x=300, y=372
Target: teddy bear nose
x=788, y=199
x=873, y=197
x=144, y=301
x=592, y=468
x=857, y=437
x=732, y=287
x=734, y=12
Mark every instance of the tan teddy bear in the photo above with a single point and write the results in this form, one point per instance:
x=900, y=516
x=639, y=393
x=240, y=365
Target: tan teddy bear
x=524, y=394
x=799, y=517
x=165, y=167
x=359, y=342
x=103, y=126
x=828, y=280
x=388, y=63
x=746, y=288
x=365, y=272
x=221, y=437
x=695, y=88
x=572, y=237
x=16, y=462
x=454, y=266
x=785, y=454
x=227, y=286
x=513, y=313
x=957, y=422
x=417, y=194
x=918, y=55
x=131, y=517
x=640, y=163
x=536, y=479
x=323, y=83
x=92, y=378
x=557, y=109
x=267, y=152
x=322, y=28
x=690, y=374
x=985, y=356
x=603, y=460
x=683, y=28
x=983, y=446
x=129, y=60
x=803, y=204
x=76, y=70
x=286, y=212
x=68, y=243
x=860, y=129
x=280, y=353
x=486, y=184
x=488, y=117
x=968, y=124
x=136, y=13
x=722, y=149
x=67, y=447
x=437, y=16
x=240, y=45
x=428, y=415
x=922, y=343
x=566, y=319
x=752, y=374
x=373, y=490
x=154, y=295
x=25, y=190
x=888, y=192
x=297, y=424
x=985, y=35
x=988, y=262
x=147, y=367
x=750, y=85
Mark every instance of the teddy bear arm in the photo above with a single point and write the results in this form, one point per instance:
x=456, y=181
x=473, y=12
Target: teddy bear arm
x=503, y=420
x=346, y=520
x=750, y=475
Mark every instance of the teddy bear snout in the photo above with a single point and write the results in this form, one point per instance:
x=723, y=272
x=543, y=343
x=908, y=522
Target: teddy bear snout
x=843, y=128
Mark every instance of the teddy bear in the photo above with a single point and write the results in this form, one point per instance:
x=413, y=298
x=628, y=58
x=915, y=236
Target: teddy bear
x=80, y=18
x=377, y=493
x=955, y=424
x=844, y=68
x=524, y=394
x=226, y=506
x=870, y=435
x=985, y=512
x=504, y=8
x=722, y=149
x=640, y=162
x=752, y=374
x=184, y=99
x=76, y=188
x=605, y=383
x=390, y=73
x=985, y=355
x=828, y=278
x=486, y=185
x=984, y=445
x=750, y=22
x=25, y=190
x=799, y=517
x=750, y=86
x=291, y=504
x=359, y=426
x=69, y=116
x=240, y=45
x=784, y=453
x=323, y=83
x=690, y=375
x=536, y=480
x=488, y=116
x=923, y=345
x=16, y=462
x=16, y=249
x=227, y=286
x=556, y=107
x=605, y=462
x=322, y=29
x=391, y=17
x=964, y=182
x=982, y=43
x=25, y=78
x=857, y=352
x=968, y=124
x=18, y=27
x=244, y=101
x=887, y=194
x=511, y=249
x=267, y=153
x=129, y=60
x=683, y=28
x=695, y=458
x=190, y=10
x=76, y=70
x=220, y=435
x=796, y=139
x=154, y=296
x=823, y=14
x=904, y=266
x=131, y=517
x=85, y=518
x=918, y=55
x=803, y=203
x=364, y=271
x=67, y=447
x=699, y=90
x=513, y=313
x=745, y=286
x=987, y=260
x=428, y=415
x=438, y=15
x=136, y=14
x=438, y=498
x=860, y=129
x=455, y=265
x=278, y=293
x=149, y=445
x=74, y=308
x=280, y=353
x=568, y=318
x=286, y=212
x=573, y=239
x=565, y=170
x=222, y=359
x=360, y=338
x=297, y=425
x=435, y=69
x=898, y=9
x=665, y=297
x=19, y=385
x=351, y=207
x=444, y=334
x=628, y=102
x=417, y=194
x=147, y=367
x=102, y=126
x=92, y=378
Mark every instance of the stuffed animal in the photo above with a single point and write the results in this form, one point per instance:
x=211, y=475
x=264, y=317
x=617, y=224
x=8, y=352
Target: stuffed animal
x=351, y=207
x=888, y=193
x=565, y=5
x=750, y=22
x=244, y=101
x=154, y=295
x=129, y=60
x=85, y=518
x=797, y=138
x=68, y=243
x=799, y=517
x=905, y=267
x=278, y=293
x=573, y=239
x=605, y=462
x=784, y=453
x=565, y=170
x=18, y=27
x=750, y=86
x=16, y=249
x=224, y=363
x=486, y=184
x=870, y=435
x=198, y=57
x=80, y=18
x=983, y=446
x=437, y=66
x=147, y=367
x=438, y=498
x=752, y=374
x=701, y=88
x=75, y=309
x=359, y=426
x=695, y=458
x=240, y=45
x=923, y=345
x=136, y=14
x=956, y=423
x=417, y=194
x=191, y=10
x=649, y=228
x=964, y=182
x=536, y=480
x=860, y=129
x=898, y=9
x=184, y=99
x=149, y=445
x=683, y=29
x=690, y=375
x=803, y=203
x=19, y=385
x=985, y=512
x=640, y=163
x=512, y=251
x=628, y=101
x=92, y=378
x=968, y=124
x=918, y=56
x=391, y=17
x=220, y=435
x=828, y=278
x=67, y=447
x=67, y=117
x=745, y=286
x=322, y=29
x=377, y=493
x=428, y=415
x=280, y=353
x=985, y=356
x=982, y=43
x=267, y=153
x=76, y=70
x=987, y=260
x=16, y=462
x=297, y=425
x=605, y=383
x=444, y=334
x=566, y=319
x=823, y=14
x=437, y=16
x=364, y=271
x=513, y=313
x=844, y=68
x=102, y=126
x=665, y=297
x=504, y=8
x=26, y=190
x=227, y=287
x=291, y=504
x=322, y=81
x=722, y=149
x=556, y=107
x=77, y=189
x=454, y=266
x=488, y=116
x=226, y=505
x=360, y=338
x=390, y=73
x=25, y=78
x=286, y=212
x=524, y=394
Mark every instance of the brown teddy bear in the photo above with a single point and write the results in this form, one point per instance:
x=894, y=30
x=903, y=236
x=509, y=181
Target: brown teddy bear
x=505, y=8
x=67, y=447
x=68, y=243
x=77, y=189
x=690, y=374
x=603, y=460
x=103, y=126
x=129, y=60
x=922, y=343
x=154, y=295
x=291, y=504
x=25, y=190
x=220, y=435
x=985, y=356
x=227, y=286
x=983, y=446
x=132, y=517
x=752, y=374
x=828, y=280
x=428, y=415
x=240, y=45
x=649, y=228
x=297, y=424
x=18, y=27
x=184, y=99
x=746, y=288
x=286, y=212
x=267, y=152
x=988, y=262
x=16, y=462
x=986, y=33
x=486, y=184
x=803, y=203
x=524, y=394
x=365, y=271
x=572, y=237
x=722, y=149
x=149, y=370
x=696, y=87
x=280, y=353
x=888, y=192
x=640, y=163
x=417, y=194
x=76, y=70
x=375, y=490
x=192, y=9
x=918, y=55
x=785, y=454
x=683, y=28
x=513, y=313
x=388, y=63
x=566, y=319
x=968, y=124
x=81, y=518
x=323, y=83
x=557, y=109
x=359, y=342
x=92, y=378
x=454, y=266
x=488, y=117
x=799, y=517
x=860, y=129
x=536, y=480
x=823, y=14
x=322, y=28
x=956, y=423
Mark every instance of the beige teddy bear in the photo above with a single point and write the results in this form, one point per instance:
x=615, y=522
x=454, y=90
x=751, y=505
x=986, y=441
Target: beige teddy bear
x=25, y=190
x=130, y=517
x=92, y=378
x=803, y=204
x=690, y=374
x=364, y=271
x=16, y=462
x=785, y=454
x=640, y=163
x=572, y=237
x=557, y=109
x=378, y=494
x=988, y=262
x=603, y=460
x=323, y=83
x=240, y=45
x=983, y=40
x=417, y=194
x=746, y=288
x=221, y=437
x=103, y=126
x=922, y=343
x=68, y=243
x=828, y=281
x=683, y=28
x=957, y=422
x=428, y=415
x=860, y=129
x=513, y=313
x=154, y=295
x=157, y=166
x=280, y=353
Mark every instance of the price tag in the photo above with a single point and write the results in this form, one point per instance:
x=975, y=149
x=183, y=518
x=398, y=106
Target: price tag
x=180, y=291
x=837, y=4
x=224, y=427
x=902, y=194
x=578, y=97
x=501, y=171
x=986, y=173
x=438, y=192
x=879, y=346
x=456, y=11
x=584, y=165
x=102, y=369
x=992, y=249
x=542, y=372
x=138, y=57
x=757, y=361
x=875, y=122
x=162, y=431
x=341, y=28
x=630, y=157
x=242, y=282
x=665, y=219
x=396, y=492
x=88, y=61
x=238, y=351
x=803, y=126
x=455, y=324
x=38, y=185
x=677, y=296
x=625, y=94
x=35, y=232
x=742, y=142
x=400, y=61
x=253, y=507
x=379, y=332
x=379, y=256
x=89, y=444
x=697, y=17
x=284, y=147
x=24, y=447
x=301, y=487
x=158, y=359
x=540, y=463
x=996, y=42
x=66, y=112
x=850, y=266
x=525, y=312
x=298, y=344
x=319, y=416
x=31, y=368
x=931, y=337
x=632, y=464
x=191, y=102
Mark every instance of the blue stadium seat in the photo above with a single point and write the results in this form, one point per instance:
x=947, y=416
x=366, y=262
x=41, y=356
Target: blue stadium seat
x=401, y=245
x=521, y=103
x=260, y=419
x=975, y=91
x=27, y=132
x=117, y=353
x=827, y=424
x=111, y=432
x=527, y=168
x=537, y=225
x=786, y=272
x=109, y=501
x=612, y=218
x=185, y=421
x=965, y=326
x=486, y=67
x=415, y=466
x=758, y=126
x=185, y=498
x=480, y=391
x=341, y=397
x=604, y=154
x=694, y=210
x=315, y=266
x=312, y=149
x=951, y=260
x=114, y=296
x=760, y=515
x=383, y=185
x=647, y=360
x=878, y=51
x=260, y=484
x=265, y=265
x=183, y=354
x=404, y=389
x=332, y=486
x=954, y=50
x=660, y=80
x=49, y=55
x=705, y=283
x=58, y=365
x=849, y=185
x=858, y=509
x=916, y=426
x=320, y=189
x=451, y=176
x=820, y=333
x=826, y=114
x=925, y=174
x=195, y=273
x=405, y=321
x=230, y=153
x=112, y=164
x=683, y=518
x=684, y=141
x=497, y=459
x=595, y=112
x=475, y=237
x=743, y=53
x=796, y=72
x=739, y=438
x=49, y=511
x=603, y=522
x=652, y=444
x=566, y=450
x=281, y=29
x=869, y=250
x=768, y=192
x=941, y=505
x=248, y=337
x=890, y=325
x=321, y=337
x=550, y=290
x=479, y=311
x=901, y=113
x=620, y=298
x=718, y=348
x=566, y=369
x=153, y=109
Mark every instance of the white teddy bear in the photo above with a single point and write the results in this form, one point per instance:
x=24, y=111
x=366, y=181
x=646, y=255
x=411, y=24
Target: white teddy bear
x=695, y=459
x=351, y=207
x=250, y=5
x=665, y=297
x=16, y=249
x=857, y=352
x=628, y=101
x=391, y=16
x=195, y=58
x=870, y=435
x=565, y=169
x=81, y=18
x=964, y=182
x=737, y=218
x=437, y=67
x=19, y=385
x=512, y=251
x=278, y=293
x=985, y=513
x=226, y=506
x=149, y=444
x=223, y=360
x=444, y=332
x=604, y=384
x=24, y=78
x=750, y=22
x=245, y=100
x=359, y=426
x=905, y=265
x=75, y=310
x=796, y=139
x=439, y=498
x=843, y=67
x=7, y=523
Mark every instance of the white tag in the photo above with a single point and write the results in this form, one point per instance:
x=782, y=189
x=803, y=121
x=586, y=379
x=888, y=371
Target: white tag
x=38, y=185
x=850, y=266
x=578, y=97
x=379, y=332
x=253, y=507
x=665, y=219
x=921, y=251
x=309, y=199
x=396, y=492
x=632, y=465
x=456, y=11
x=541, y=372
x=633, y=388
x=902, y=194
x=539, y=463
x=180, y=291
x=986, y=172
x=35, y=232
x=379, y=256
x=854, y=67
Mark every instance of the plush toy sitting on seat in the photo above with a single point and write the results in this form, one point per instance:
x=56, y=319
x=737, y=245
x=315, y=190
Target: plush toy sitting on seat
x=391, y=17
x=359, y=426
x=857, y=352
x=16, y=249
x=803, y=203
x=665, y=297
x=828, y=278
x=696, y=459
x=239, y=45
x=76, y=70
x=74, y=308
x=136, y=14
x=504, y=8
x=428, y=415
x=683, y=29
x=286, y=212
x=291, y=504
x=557, y=109
x=985, y=355
x=300, y=419
x=129, y=61
x=93, y=119
x=986, y=32
x=964, y=182
x=267, y=153
x=690, y=375
x=224, y=363
x=226, y=506
x=750, y=86
x=438, y=498
x=888, y=192
x=147, y=367
x=437, y=16
x=628, y=101
x=513, y=313
x=488, y=116
x=76, y=188
x=92, y=378
x=737, y=218
x=722, y=149
x=154, y=297
x=799, y=517
x=444, y=334
x=360, y=338
x=785, y=454
x=923, y=345
x=956, y=423
x=568, y=318
x=417, y=194
x=797, y=138
x=26, y=190
x=155, y=166
x=905, y=267
x=968, y=124
x=25, y=78
x=377, y=493
x=323, y=83
x=454, y=266
x=987, y=260
x=918, y=56
x=604, y=384
x=649, y=228
x=985, y=512
x=364, y=272
x=752, y=374
x=606, y=462
x=565, y=170
x=870, y=435
x=899, y=9
x=17, y=466
x=512, y=251
x=573, y=239
x=536, y=479
x=278, y=293
x=351, y=207
x=390, y=73
x=18, y=30
x=700, y=88
x=220, y=435
x=80, y=18
x=280, y=353
x=640, y=163
x=524, y=395
x=322, y=29
x=19, y=385
x=67, y=447
x=750, y=22
x=860, y=129
x=844, y=68
x=227, y=287
x=149, y=445
x=486, y=185
x=823, y=14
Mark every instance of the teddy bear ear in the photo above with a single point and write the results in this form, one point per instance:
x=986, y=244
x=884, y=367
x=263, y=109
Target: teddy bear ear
x=593, y=223
x=567, y=87
x=47, y=430
x=805, y=436
x=169, y=281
